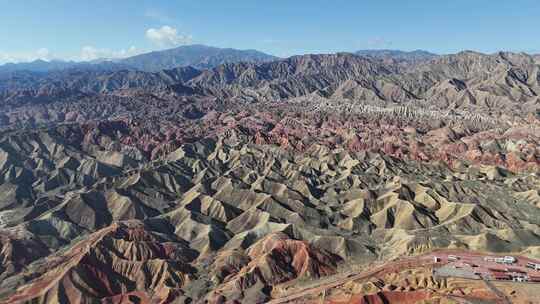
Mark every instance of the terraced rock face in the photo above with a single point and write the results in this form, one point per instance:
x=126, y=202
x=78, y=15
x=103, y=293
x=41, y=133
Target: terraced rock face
x=235, y=183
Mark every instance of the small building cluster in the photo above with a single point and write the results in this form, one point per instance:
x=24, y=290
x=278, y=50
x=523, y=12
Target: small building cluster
x=501, y=260
x=506, y=268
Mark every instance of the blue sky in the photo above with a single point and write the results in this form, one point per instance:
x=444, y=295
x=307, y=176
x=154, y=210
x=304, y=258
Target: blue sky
x=86, y=29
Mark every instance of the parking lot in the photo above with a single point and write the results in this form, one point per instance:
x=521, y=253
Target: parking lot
x=488, y=267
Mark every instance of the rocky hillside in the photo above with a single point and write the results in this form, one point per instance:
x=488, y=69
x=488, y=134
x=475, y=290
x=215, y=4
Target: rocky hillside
x=222, y=220
x=249, y=182
x=469, y=81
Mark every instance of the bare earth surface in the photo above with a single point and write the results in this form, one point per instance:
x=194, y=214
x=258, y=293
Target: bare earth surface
x=314, y=179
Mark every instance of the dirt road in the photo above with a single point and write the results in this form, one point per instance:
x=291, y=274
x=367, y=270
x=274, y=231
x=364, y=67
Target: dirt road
x=342, y=279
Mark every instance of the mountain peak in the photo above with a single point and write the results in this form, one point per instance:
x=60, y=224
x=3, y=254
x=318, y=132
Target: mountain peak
x=196, y=55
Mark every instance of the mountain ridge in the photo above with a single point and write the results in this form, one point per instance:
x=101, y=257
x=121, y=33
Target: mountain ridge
x=197, y=55
x=500, y=81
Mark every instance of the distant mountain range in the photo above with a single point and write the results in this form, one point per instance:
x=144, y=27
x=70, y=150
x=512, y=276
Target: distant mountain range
x=201, y=57
x=44, y=67
x=198, y=56
x=38, y=66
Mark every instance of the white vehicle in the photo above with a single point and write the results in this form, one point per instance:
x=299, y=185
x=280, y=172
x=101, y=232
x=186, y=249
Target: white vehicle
x=533, y=266
x=453, y=258
x=509, y=260
x=501, y=260
x=520, y=278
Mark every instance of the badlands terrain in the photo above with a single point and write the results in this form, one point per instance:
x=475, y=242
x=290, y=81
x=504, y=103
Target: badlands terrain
x=236, y=177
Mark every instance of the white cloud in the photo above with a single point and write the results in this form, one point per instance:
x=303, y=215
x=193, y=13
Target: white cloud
x=89, y=53
x=4, y=57
x=167, y=36
x=42, y=53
